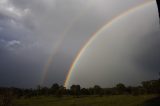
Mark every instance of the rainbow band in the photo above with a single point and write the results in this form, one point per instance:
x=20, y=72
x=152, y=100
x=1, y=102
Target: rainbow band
x=59, y=43
x=95, y=35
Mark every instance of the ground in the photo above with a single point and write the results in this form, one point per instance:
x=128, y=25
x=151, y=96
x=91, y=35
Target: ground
x=121, y=100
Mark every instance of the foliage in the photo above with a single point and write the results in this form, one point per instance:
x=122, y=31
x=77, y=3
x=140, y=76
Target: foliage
x=147, y=87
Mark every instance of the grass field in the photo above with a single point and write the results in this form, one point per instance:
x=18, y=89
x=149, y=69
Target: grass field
x=121, y=100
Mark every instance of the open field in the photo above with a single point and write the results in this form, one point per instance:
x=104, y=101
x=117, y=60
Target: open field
x=121, y=100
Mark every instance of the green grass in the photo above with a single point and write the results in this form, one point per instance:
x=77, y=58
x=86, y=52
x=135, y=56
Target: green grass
x=121, y=100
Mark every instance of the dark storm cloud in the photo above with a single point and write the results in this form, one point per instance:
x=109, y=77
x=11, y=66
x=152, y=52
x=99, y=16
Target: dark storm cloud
x=10, y=45
x=148, y=58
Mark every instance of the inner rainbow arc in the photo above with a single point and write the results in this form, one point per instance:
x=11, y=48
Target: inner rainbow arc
x=109, y=23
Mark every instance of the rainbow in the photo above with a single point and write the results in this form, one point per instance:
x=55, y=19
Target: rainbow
x=97, y=33
x=58, y=44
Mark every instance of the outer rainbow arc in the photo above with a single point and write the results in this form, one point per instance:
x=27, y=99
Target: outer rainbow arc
x=59, y=42
x=99, y=32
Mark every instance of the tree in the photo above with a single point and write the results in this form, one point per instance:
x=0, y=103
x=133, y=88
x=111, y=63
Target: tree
x=152, y=86
x=97, y=90
x=75, y=90
x=7, y=98
x=38, y=90
x=61, y=91
x=54, y=88
x=120, y=88
x=45, y=90
x=85, y=91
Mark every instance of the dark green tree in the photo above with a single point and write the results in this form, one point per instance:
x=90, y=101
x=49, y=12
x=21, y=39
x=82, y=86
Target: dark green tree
x=85, y=91
x=54, y=88
x=75, y=90
x=61, y=91
x=97, y=90
x=121, y=88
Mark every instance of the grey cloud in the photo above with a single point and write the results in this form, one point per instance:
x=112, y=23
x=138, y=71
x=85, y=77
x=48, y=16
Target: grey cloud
x=148, y=58
x=33, y=28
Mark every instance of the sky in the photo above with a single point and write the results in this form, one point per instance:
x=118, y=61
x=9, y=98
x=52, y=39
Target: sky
x=124, y=50
x=39, y=39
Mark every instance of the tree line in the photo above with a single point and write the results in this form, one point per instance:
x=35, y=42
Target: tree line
x=146, y=87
